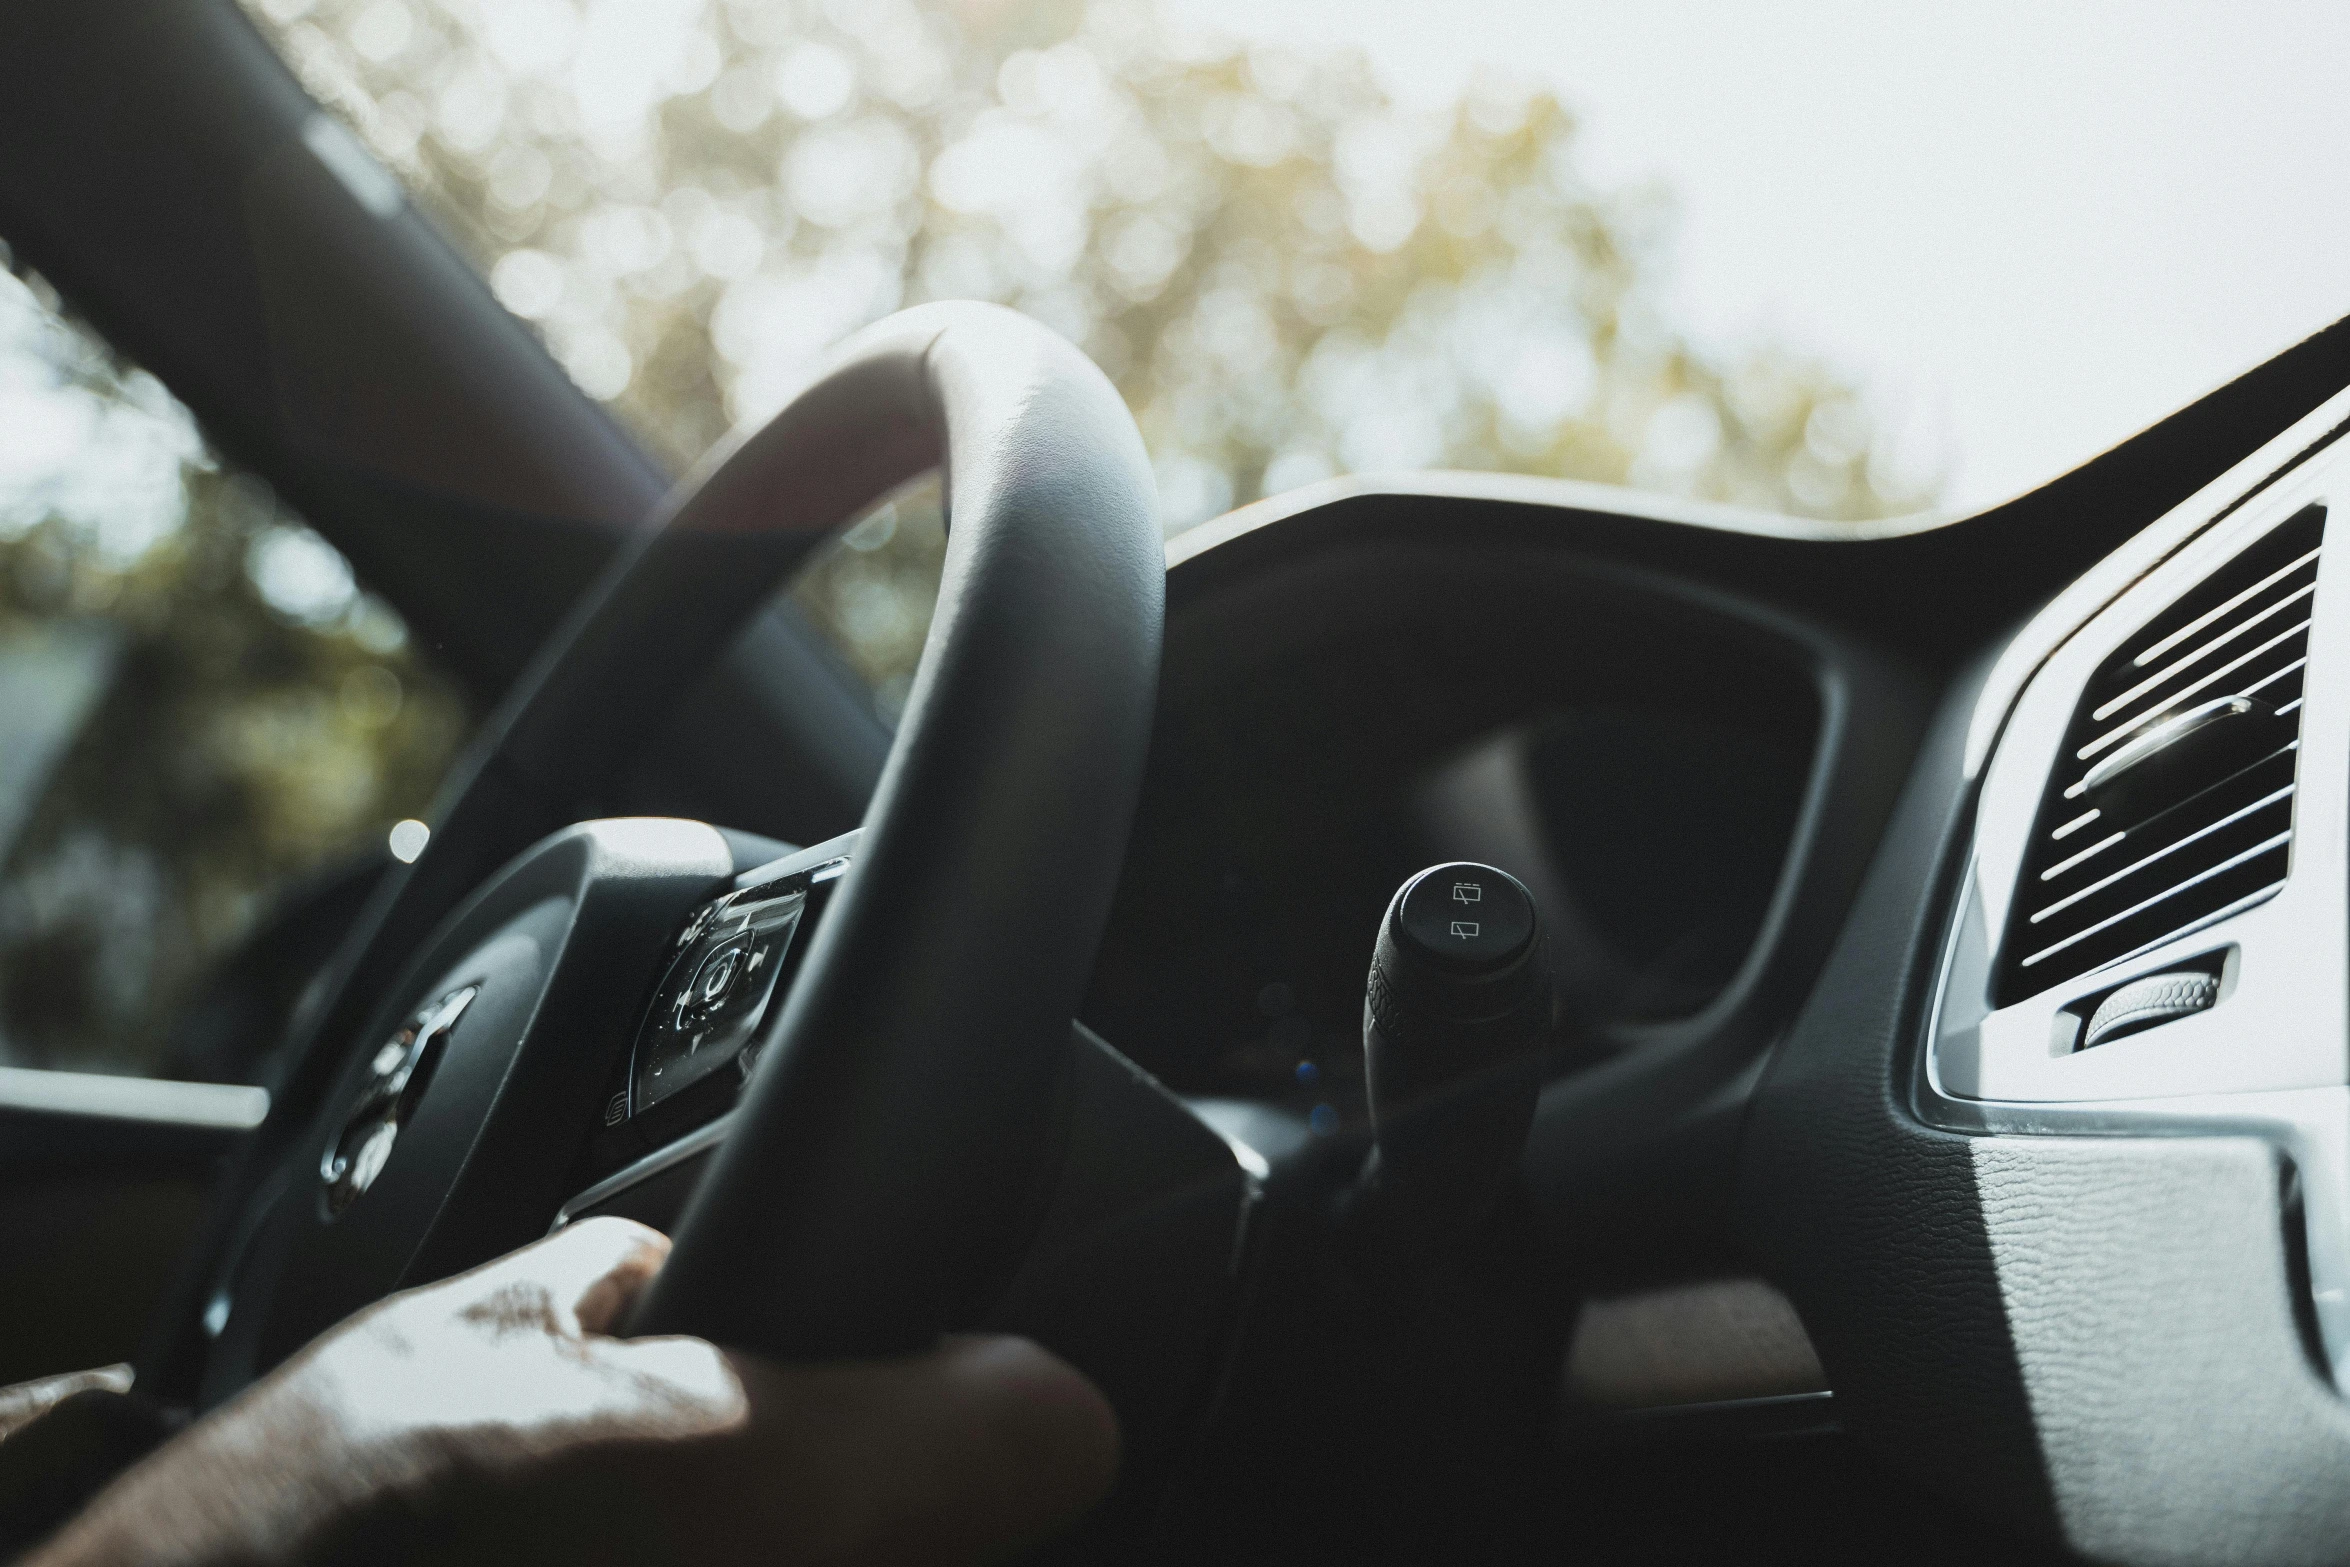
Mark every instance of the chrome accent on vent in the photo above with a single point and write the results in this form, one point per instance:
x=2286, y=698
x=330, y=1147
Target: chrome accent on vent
x=2205, y=828
x=2153, y=741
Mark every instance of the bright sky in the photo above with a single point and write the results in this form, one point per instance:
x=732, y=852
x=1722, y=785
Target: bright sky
x=2030, y=227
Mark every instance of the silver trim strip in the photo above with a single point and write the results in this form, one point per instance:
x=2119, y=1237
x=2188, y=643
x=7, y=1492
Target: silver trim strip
x=698, y=1141
x=1821, y=1400
x=224, y=1107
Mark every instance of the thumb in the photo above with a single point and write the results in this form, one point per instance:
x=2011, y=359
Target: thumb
x=964, y=1454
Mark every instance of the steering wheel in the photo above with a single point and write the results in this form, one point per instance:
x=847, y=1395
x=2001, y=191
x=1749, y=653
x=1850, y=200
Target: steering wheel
x=886, y=1151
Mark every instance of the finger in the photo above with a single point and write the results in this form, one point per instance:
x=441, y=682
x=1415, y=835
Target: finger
x=585, y=1274
x=965, y=1454
x=604, y=1305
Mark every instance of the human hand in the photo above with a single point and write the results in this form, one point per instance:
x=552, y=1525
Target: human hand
x=493, y=1417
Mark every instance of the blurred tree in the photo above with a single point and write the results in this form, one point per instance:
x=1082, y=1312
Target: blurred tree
x=198, y=706
x=1287, y=276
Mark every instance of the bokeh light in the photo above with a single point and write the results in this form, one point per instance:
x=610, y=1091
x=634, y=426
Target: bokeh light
x=1287, y=274
x=200, y=708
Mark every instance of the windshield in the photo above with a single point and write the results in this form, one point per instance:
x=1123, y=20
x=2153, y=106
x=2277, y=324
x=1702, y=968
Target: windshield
x=1288, y=269
x=1832, y=259
x=2023, y=232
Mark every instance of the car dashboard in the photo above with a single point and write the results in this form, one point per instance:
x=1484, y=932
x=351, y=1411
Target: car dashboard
x=1910, y=892
x=1778, y=791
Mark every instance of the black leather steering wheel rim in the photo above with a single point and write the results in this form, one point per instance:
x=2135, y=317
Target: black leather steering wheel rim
x=891, y=1136
x=886, y=1149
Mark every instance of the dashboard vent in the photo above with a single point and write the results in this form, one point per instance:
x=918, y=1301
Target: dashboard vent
x=2171, y=804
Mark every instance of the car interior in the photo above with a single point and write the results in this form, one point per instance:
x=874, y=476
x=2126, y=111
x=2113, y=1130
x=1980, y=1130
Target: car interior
x=1497, y=1018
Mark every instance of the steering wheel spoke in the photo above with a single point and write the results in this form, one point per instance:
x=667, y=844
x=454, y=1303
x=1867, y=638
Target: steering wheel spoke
x=466, y=1105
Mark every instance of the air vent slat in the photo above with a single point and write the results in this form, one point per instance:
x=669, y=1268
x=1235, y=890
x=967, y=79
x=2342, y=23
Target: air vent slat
x=2168, y=671
x=2232, y=862
x=2297, y=635
x=2099, y=847
x=2194, y=822
x=2203, y=921
x=2163, y=853
x=2199, y=622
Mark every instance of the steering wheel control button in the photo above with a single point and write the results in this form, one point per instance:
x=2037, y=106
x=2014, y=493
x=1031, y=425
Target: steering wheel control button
x=719, y=972
x=397, y=1077
x=716, y=993
x=1468, y=917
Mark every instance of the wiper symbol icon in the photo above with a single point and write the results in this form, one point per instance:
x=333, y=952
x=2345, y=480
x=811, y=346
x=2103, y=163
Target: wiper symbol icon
x=1467, y=892
x=1465, y=929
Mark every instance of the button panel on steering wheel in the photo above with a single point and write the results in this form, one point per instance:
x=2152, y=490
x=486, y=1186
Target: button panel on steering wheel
x=701, y=1033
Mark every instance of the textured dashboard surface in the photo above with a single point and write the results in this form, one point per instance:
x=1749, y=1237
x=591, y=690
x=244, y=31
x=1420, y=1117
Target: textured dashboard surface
x=1872, y=1221
x=2148, y=1289
x=2093, y=1337
x=2103, y=1338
